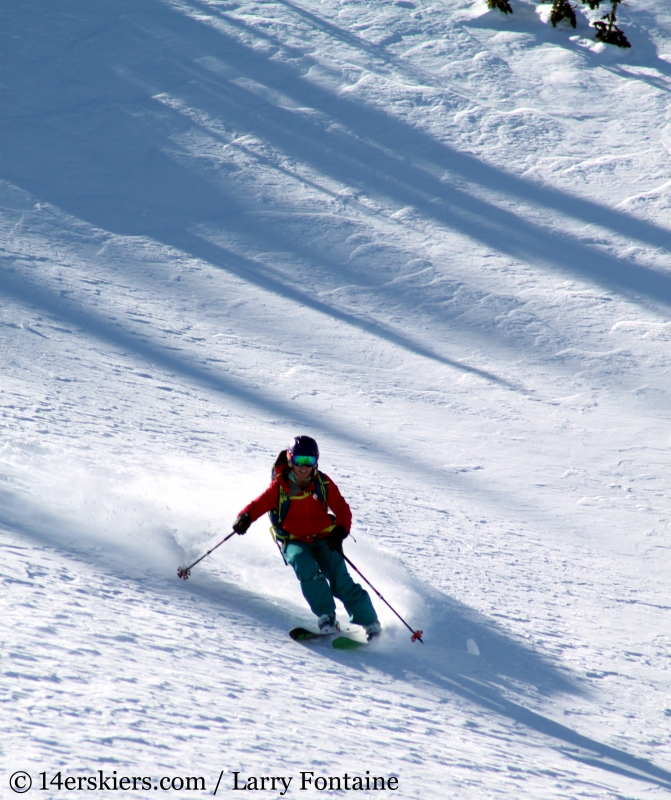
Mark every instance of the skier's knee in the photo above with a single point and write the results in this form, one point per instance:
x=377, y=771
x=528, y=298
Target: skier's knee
x=306, y=570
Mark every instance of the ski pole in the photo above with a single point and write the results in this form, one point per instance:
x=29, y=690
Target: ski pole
x=184, y=572
x=416, y=635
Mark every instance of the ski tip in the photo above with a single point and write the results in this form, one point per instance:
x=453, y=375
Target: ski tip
x=302, y=634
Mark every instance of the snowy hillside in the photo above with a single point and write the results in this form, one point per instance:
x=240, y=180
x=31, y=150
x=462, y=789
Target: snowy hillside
x=434, y=237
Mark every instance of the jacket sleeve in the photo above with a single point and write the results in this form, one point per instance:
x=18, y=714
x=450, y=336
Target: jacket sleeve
x=264, y=502
x=339, y=506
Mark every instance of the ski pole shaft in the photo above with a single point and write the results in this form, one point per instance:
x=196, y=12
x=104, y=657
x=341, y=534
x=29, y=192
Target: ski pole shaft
x=416, y=635
x=184, y=572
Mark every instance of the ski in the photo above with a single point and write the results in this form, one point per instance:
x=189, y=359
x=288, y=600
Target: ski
x=305, y=635
x=302, y=634
x=342, y=640
x=352, y=642
x=348, y=643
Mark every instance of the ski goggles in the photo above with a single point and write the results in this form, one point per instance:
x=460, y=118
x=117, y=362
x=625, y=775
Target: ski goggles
x=304, y=461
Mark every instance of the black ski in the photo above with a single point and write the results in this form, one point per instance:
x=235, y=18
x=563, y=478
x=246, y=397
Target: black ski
x=304, y=635
x=301, y=634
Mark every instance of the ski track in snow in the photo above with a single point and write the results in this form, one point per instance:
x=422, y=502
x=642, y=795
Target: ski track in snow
x=436, y=238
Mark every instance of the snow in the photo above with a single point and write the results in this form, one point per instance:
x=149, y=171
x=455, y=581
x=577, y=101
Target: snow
x=430, y=235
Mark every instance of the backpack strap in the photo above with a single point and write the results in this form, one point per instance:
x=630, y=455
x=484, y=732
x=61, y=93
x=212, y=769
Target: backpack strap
x=278, y=515
x=322, y=489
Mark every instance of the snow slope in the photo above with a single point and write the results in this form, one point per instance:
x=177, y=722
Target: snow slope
x=434, y=237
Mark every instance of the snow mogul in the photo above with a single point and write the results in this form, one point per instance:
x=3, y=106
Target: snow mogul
x=310, y=520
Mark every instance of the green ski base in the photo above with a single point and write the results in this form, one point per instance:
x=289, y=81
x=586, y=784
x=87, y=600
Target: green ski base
x=347, y=643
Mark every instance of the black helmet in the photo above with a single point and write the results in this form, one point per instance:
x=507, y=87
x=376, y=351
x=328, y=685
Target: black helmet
x=303, y=446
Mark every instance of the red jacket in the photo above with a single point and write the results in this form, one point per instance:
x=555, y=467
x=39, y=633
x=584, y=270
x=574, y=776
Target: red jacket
x=307, y=519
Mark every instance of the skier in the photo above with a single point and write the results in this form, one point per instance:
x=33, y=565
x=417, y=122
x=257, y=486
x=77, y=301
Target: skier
x=298, y=502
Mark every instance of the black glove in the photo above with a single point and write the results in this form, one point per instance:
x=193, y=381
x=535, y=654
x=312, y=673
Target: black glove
x=242, y=523
x=335, y=539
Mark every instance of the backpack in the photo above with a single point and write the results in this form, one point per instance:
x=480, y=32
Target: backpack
x=280, y=472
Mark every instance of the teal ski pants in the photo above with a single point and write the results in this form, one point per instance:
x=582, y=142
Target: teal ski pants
x=323, y=575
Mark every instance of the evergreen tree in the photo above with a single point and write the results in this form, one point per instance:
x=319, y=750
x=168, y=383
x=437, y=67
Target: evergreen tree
x=502, y=5
x=606, y=29
x=562, y=9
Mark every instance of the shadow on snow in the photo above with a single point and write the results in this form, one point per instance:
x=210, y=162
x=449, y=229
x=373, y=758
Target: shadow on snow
x=82, y=131
x=507, y=665
x=90, y=137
